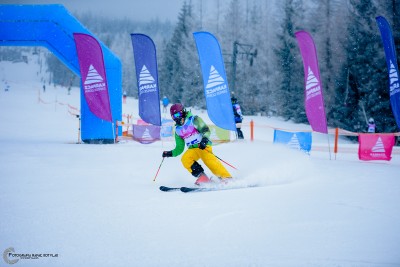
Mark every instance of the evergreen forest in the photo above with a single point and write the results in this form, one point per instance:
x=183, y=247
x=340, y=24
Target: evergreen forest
x=262, y=59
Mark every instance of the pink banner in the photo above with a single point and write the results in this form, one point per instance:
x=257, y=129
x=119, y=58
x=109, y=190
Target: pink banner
x=314, y=101
x=375, y=146
x=93, y=75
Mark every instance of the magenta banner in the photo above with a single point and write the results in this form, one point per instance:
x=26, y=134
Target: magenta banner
x=93, y=75
x=314, y=101
x=375, y=146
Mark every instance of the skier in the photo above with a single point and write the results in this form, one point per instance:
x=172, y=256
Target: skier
x=192, y=131
x=371, y=127
x=124, y=97
x=165, y=102
x=238, y=117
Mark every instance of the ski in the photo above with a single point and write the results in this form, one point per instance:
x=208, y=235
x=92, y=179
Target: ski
x=185, y=189
x=209, y=189
x=194, y=189
x=168, y=189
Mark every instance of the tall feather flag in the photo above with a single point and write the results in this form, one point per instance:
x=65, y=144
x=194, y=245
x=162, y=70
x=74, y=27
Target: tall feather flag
x=391, y=61
x=93, y=75
x=314, y=101
x=147, y=78
x=216, y=90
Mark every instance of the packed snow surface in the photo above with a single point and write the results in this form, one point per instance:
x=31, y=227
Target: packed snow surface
x=97, y=205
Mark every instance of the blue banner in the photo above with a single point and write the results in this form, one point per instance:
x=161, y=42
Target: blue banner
x=147, y=78
x=391, y=61
x=296, y=140
x=216, y=91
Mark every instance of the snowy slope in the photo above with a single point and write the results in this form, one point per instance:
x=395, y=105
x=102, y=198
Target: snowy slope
x=97, y=205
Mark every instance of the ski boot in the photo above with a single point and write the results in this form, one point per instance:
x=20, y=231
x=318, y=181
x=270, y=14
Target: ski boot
x=198, y=172
x=202, y=179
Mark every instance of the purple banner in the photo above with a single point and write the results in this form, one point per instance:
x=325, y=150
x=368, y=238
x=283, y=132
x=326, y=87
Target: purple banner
x=314, y=101
x=147, y=78
x=146, y=134
x=393, y=69
x=93, y=75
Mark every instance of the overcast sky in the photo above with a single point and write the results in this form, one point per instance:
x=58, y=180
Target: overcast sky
x=142, y=10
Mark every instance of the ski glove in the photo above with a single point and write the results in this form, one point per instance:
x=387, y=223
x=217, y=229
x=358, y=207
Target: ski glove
x=167, y=154
x=203, y=143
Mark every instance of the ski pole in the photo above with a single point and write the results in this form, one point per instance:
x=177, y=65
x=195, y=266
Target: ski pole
x=158, y=169
x=221, y=159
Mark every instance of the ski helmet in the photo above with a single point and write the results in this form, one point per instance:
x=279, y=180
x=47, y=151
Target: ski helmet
x=178, y=113
x=371, y=120
x=234, y=100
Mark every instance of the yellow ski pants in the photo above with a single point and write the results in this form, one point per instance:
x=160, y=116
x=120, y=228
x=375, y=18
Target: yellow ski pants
x=194, y=154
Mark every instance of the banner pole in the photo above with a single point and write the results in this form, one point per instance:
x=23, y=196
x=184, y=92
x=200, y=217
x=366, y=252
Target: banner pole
x=116, y=131
x=113, y=130
x=329, y=146
x=79, y=128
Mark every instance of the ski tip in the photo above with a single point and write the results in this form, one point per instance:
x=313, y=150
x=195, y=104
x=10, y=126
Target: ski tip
x=188, y=189
x=167, y=189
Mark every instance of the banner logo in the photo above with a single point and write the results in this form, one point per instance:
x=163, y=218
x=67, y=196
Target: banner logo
x=294, y=142
x=147, y=83
x=94, y=82
x=93, y=76
x=394, y=80
x=312, y=86
x=216, y=84
x=378, y=150
x=146, y=135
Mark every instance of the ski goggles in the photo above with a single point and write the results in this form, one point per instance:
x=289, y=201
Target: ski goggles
x=178, y=115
